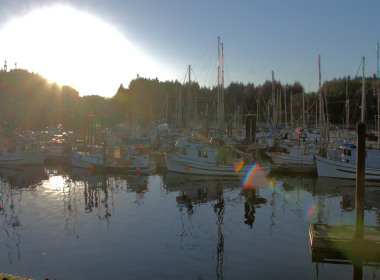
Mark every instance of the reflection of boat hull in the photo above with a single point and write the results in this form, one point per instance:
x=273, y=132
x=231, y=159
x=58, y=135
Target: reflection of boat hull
x=23, y=177
x=339, y=169
x=174, y=179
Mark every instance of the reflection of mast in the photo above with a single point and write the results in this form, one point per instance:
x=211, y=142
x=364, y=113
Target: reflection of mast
x=11, y=219
x=139, y=185
x=92, y=196
x=69, y=202
x=219, y=211
x=272, y=203
x=252, y=199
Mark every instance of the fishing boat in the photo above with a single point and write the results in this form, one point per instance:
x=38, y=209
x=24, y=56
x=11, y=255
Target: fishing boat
x=343, y=164
x=296, y=157
x=58, y=148
x=192, y=155
x=135, y=159
x=20, y=150
x=91, y=157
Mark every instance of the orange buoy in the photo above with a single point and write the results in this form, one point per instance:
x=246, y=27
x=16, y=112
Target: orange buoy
x=138, y=169
x=186, y=167
x=91, y=166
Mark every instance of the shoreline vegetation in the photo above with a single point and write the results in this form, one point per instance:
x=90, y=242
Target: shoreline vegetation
x=12, y=277
x=23, y=94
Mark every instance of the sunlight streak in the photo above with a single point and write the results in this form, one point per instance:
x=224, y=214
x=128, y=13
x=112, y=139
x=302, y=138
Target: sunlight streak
x=73, y=48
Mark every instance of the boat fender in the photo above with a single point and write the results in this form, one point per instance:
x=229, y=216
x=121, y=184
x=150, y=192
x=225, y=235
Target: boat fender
x=138, y=169
x=186, y=167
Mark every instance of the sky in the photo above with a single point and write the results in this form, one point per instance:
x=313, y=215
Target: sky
x=95, y=45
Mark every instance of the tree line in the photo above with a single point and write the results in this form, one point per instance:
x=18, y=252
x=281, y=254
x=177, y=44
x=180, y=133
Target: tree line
x=29, y=101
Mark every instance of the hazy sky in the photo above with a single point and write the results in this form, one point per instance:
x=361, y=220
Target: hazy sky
x=258, y=36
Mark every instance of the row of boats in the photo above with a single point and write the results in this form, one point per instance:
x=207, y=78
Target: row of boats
x=200, y=156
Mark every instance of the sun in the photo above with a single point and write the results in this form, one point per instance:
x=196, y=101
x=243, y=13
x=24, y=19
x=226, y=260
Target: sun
x=73, y=48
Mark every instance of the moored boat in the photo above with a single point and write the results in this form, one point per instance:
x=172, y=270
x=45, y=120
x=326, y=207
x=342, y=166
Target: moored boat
x=344, y=165
x=195, y=156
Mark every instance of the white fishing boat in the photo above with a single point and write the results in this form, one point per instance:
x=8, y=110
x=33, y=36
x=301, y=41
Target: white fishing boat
x=20, y=150
x=58, y=149
x=135, y=159
x=91, y=157
x=344, y=165
x=296, y=157
x=194, y=156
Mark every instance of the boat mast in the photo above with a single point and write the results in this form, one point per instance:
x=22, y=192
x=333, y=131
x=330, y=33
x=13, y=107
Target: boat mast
x=320, y=102
x=378, y=95
x=303, y=109
x=189, y=100
x=273, y=101
x=363, y=97
x=286, y=115
x=347, y=106
x=222, y=98
x=291, y=109
x=218, y=111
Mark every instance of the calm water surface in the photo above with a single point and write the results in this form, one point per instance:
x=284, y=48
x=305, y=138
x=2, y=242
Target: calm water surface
x=64, y=223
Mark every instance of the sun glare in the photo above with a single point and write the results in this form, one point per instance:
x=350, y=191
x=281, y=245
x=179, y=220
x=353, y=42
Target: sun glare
x=73, y=48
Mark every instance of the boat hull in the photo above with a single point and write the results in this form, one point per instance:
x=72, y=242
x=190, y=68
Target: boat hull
x=338, y=169
x=177, y=164
x=84, y=160
x=23, y=158
x=294, y=162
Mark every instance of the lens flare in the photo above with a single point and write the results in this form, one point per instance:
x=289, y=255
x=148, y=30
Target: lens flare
x=238, y=166
x=255, y=178
x=310, y=211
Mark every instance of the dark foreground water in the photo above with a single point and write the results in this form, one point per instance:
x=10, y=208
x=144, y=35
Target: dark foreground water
x=64, y=223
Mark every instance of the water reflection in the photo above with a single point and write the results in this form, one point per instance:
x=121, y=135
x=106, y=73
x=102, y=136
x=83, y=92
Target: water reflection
x=195, y=190
x=252, y=201
x=23, y=177
x=12, y=182
x=208, y=217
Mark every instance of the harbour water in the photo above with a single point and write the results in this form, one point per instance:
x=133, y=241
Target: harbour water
x=66, y=223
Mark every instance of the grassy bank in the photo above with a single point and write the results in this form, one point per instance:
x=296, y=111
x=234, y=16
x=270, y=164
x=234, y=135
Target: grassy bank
x=11, y=277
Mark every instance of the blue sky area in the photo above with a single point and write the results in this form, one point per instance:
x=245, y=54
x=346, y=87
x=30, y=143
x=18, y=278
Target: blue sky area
x=258, y=36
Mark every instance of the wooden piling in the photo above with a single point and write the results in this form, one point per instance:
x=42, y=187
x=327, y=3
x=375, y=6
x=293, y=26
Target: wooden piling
x=360, y=177
x=348, y=243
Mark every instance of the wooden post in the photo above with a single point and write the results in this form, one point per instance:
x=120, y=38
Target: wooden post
x=360, y=177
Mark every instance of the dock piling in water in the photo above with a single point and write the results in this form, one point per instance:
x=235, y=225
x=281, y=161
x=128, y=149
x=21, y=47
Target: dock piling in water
x=360, y=177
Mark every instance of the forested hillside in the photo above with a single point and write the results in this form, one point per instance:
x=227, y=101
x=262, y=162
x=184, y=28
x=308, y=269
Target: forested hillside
x=28, y=100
